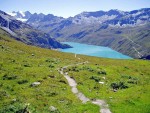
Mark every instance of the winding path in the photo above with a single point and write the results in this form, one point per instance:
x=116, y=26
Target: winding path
x=72, y=83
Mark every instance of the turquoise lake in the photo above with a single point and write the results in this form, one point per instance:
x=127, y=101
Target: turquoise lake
x=92, y=50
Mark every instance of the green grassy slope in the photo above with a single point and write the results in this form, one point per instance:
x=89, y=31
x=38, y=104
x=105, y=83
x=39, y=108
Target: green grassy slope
x=21, y=65
x=130, y=76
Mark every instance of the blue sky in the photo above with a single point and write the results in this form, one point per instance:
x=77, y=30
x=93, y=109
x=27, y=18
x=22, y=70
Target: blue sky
x=66, y=8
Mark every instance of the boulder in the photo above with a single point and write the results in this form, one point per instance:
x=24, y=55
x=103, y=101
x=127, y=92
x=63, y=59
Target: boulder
x=35, y=84
x=52, y=108
x=101, y=82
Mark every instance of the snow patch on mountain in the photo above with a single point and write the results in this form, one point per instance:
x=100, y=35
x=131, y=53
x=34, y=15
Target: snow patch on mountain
x=21, y=19
x=138, y=13
x=82, y=19
x=22, y=13
x=121, y=12
x=12, y=13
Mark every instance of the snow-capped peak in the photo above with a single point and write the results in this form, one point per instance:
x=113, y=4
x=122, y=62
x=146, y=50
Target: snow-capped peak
x=17, y=14
x=121, y=12
x=22, y=13
x=12, y=13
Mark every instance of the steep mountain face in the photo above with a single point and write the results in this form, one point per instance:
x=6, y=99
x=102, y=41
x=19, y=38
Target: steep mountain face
x=126, y=32
x=27, y=34
x=133, y=18
x=98, y=17
x=44, y=22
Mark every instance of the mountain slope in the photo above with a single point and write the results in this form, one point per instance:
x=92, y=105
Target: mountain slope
x=44, y=22
x=27, y=34
x=124, y=40
x=21, y=65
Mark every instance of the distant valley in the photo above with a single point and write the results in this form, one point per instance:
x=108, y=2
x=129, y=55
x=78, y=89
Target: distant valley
x=125, y=32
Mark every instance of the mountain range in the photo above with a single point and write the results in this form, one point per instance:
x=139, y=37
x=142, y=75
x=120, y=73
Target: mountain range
x=125, y=31
x=112, y=17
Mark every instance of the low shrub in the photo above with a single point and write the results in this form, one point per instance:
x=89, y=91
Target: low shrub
x=13, y=108
x=62, y=81
x=22, y=81
x=102, y=72
x=97, y=79
x=131, y=81
x=2, y=94
x=27, y=65
x=75, y=69
x=126, y=76
x=52, y=94
x=9, y=77
x=120, y=85
x=51, y=66
x=48, y=60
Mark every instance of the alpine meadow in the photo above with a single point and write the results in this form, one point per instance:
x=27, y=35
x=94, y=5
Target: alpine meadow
x=64, y=58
